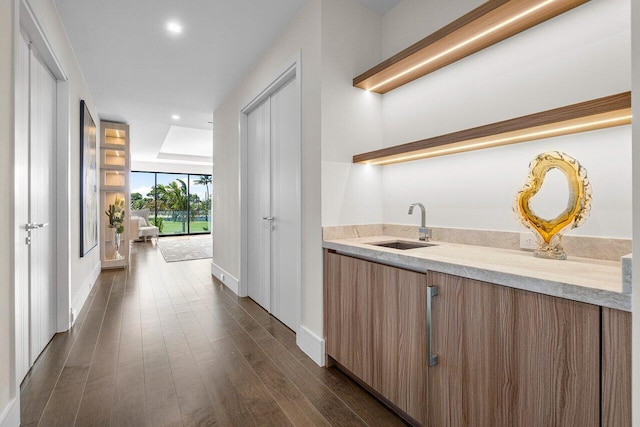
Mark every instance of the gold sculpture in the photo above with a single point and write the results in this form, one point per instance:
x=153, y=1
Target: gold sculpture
x=548, y=232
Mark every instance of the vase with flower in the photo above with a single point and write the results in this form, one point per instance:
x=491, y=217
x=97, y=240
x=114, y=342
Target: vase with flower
x=115, y=213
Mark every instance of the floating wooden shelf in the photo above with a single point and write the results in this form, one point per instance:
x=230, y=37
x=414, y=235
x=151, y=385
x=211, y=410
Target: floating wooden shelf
x=484, y=26
x=599, y=113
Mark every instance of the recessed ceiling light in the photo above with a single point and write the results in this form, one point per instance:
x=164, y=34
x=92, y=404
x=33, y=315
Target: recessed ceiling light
x=174, y=27
x=175, y=117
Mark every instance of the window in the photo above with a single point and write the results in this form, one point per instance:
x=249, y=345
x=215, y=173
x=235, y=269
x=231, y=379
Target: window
x=179, y=204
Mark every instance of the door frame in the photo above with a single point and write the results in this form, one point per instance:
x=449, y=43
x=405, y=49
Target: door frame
x=291, y=70
x=29, y=24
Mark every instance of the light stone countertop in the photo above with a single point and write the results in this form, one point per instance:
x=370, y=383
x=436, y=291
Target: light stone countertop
x=592, y=281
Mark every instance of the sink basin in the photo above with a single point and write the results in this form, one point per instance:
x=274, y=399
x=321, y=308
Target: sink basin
x=403, y=245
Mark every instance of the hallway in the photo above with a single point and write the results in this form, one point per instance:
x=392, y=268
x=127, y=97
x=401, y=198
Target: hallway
x=163, y=344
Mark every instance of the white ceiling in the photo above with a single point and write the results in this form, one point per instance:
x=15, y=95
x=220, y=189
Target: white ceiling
x=187, y=144
x=141, y=74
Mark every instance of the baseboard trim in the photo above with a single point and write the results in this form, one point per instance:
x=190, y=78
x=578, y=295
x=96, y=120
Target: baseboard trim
x=81, y=298
x=10, y=417
x=226, y=278
x=311, y=344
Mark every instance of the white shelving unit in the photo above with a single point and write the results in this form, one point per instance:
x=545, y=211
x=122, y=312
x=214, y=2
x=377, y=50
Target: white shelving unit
x=115, y=168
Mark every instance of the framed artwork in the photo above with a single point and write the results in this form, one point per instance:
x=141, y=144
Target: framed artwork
x=88, y=182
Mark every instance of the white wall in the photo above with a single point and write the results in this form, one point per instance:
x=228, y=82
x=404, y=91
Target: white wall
x=477, y=189
x=8, y=389
x=412, y=20
x=351, y=117
x=301, y=35
x=83, y=270
x=580, y=55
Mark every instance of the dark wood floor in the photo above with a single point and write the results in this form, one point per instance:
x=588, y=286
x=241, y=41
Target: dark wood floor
x=164, y=344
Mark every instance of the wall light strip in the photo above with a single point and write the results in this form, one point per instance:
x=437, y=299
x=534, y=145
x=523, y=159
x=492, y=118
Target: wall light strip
x=488, y=24
x=591, y=115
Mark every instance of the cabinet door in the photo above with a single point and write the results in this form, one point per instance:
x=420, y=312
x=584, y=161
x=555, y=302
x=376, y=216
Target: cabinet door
x=399, y=339
x=348, y=308
x=616, y=368
x=512, y=358
x=375, y=323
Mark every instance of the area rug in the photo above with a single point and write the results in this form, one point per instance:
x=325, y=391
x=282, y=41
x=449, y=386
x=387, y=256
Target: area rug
x=174, y=250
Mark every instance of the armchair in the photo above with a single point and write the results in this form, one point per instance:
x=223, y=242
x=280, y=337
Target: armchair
x=141, y=229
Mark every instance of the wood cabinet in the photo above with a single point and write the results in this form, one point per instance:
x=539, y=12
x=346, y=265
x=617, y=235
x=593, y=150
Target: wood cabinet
x=376, y=326
x=505, y=356
x=616, y=368
x=509, y=357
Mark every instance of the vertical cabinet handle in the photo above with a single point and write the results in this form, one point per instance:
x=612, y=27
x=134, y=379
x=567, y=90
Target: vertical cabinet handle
x=432, y=291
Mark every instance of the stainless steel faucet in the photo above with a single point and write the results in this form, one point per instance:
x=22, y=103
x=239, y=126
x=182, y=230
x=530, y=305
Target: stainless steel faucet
x=425, y=233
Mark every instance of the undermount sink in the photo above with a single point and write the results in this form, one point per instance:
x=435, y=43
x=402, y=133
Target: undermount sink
x=403, y=245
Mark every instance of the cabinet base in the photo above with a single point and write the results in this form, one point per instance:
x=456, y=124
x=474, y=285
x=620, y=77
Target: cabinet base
x=331, y=362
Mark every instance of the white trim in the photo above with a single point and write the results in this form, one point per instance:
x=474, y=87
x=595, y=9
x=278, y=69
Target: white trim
x=63, y=205
x=81, y=298
x=300, y=267
x=311, y=344
x=19, y=252
x=26, y=21
x=226, y=278
x=292, y=70
x=35, y=34
x=10, y=417
x=243, y=289
x=32, y=27
x=289, y=73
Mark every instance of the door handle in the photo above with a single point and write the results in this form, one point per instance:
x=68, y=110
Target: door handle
x=33, y=226
x=432, y=291
x=271, y=219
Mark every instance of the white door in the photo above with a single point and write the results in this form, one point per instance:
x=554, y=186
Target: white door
x=286, y=205
x=21, y=186
x=274, y=204
x=35, y=204
x=259, y=204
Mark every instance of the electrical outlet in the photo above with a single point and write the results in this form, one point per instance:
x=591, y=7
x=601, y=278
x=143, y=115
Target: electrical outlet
x=528, y=241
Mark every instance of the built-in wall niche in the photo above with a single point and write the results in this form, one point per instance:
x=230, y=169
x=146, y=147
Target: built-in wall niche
x=115, y=199
x=113, y=178
x=114, y=192
x=115, y=137
x=111, y=157
x=111, y=197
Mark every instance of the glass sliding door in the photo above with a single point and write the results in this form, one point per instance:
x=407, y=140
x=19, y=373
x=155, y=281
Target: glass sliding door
x=172, y=194
x=143, y=193
x=178, y=203
x=199, y=204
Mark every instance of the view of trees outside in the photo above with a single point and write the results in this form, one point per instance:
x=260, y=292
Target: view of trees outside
x=182, y=202
x=142, y=196
x=199, y=203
